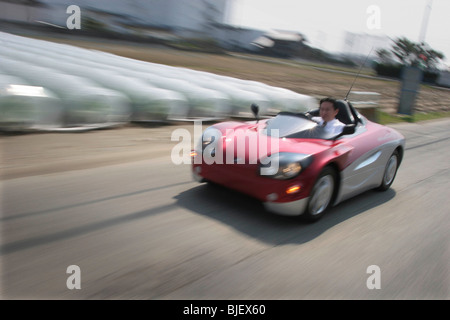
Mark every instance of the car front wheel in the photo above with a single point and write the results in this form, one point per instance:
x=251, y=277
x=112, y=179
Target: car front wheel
x=390, y=172
x=321, y=195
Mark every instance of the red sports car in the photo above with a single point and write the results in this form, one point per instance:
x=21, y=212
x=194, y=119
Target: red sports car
x=293, y=165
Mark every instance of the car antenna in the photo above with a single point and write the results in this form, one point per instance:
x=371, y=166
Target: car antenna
x=354, y=80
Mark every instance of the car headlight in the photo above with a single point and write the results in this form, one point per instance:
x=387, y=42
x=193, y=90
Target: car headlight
x=284, y=165
x=291, y=170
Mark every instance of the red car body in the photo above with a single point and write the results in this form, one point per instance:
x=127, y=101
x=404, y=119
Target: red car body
x=332, y=169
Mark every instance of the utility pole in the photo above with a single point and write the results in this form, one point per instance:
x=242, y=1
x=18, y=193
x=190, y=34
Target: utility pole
x=412, y=75
x=426, y=16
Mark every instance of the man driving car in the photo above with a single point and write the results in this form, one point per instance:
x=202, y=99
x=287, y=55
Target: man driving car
x=328, y=110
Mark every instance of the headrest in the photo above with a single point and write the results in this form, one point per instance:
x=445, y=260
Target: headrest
x=344, y=115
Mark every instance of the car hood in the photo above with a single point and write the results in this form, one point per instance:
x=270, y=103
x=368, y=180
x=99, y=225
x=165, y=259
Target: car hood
x=248, y=141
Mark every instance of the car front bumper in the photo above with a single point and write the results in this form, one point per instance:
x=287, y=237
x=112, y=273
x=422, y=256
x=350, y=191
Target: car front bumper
x=197, y=177
x=293, y=208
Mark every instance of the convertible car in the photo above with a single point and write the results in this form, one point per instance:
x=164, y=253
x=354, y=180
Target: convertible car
x=293, y=165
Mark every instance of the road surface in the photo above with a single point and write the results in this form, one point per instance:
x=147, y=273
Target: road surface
x=113, y=204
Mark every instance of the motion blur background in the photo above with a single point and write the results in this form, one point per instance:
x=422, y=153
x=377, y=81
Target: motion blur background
x=110, y=89
x=112, y=201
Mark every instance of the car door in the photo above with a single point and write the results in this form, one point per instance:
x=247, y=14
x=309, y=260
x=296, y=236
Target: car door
x=366, y=161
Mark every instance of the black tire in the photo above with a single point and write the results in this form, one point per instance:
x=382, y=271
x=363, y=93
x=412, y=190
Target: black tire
x=390, y=171
x=321, y=196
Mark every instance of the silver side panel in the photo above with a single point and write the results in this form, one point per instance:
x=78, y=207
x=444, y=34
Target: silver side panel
x=366, y=172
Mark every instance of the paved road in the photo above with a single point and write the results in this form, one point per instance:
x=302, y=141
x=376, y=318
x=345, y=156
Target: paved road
x=142, y=229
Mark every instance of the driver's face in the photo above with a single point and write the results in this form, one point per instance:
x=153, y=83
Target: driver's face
x=327, y=111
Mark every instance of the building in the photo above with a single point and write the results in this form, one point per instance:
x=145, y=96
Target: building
x=158, y=19
x=360, y=44
x=184, y=17
x=443, y=79
x=280, y=43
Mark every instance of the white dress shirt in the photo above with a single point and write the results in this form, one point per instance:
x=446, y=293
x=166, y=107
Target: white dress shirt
x=334, y=126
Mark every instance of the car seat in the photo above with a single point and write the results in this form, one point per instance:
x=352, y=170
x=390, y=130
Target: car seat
x=344, y=115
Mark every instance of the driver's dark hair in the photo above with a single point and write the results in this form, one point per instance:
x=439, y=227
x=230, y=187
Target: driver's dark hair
x=329, y=99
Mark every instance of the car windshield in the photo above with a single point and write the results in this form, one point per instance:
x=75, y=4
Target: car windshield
x=295, y=125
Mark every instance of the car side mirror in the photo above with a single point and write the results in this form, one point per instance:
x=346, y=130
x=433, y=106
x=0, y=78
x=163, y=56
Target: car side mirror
x=255, y=110
x=348, y=129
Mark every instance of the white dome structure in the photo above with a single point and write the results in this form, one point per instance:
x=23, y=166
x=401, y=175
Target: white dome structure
x=88, y=88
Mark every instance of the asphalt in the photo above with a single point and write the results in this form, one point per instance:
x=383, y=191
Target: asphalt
x=112, y=203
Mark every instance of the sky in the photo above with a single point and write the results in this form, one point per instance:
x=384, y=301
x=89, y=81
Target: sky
x=324, y=22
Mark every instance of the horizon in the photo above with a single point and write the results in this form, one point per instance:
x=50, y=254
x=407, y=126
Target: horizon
x=415, y=20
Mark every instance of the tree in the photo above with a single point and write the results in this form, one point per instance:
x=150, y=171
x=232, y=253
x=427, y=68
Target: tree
x=429, y=57
x=405, y=51
x=416, y=54
x=384, y=56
